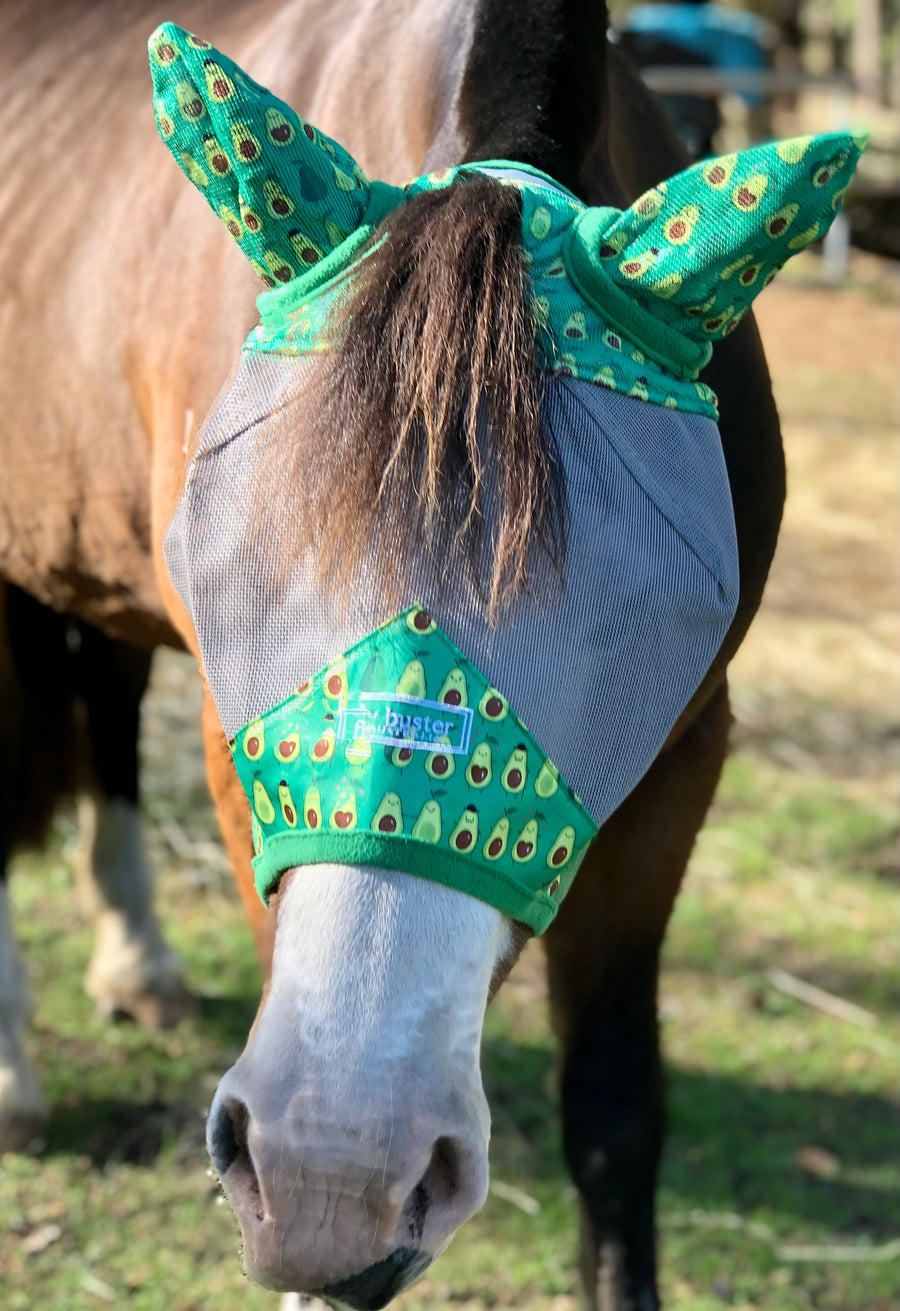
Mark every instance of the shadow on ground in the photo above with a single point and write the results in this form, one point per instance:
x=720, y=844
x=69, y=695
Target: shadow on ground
x=732, y=1144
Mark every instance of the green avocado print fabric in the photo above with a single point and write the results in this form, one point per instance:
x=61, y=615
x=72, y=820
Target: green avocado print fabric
x=693, y=253
x=287, y=193
x=631, y=300
x=400, y=755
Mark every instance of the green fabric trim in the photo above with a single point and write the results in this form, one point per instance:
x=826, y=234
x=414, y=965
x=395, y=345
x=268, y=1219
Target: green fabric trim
x=289, y=850
x=609, y=305
x=674, y=351
x=276, y=306
x=573, y=338
x=399, y=754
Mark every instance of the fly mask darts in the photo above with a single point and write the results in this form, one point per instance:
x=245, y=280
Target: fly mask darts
x=366, y=736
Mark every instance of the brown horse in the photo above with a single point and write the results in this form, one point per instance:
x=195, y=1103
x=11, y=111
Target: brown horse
x=124, y=310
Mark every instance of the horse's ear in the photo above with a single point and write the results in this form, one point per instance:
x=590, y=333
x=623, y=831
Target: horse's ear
x=287, y=193
x=693, y=252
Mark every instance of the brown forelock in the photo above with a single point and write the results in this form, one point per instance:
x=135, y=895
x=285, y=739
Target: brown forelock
x=435, y=333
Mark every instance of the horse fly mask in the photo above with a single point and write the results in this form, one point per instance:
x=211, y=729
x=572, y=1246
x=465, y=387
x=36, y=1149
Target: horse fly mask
x=432, y=737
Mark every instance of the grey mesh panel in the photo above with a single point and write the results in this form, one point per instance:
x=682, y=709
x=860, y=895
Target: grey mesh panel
x=599, y=670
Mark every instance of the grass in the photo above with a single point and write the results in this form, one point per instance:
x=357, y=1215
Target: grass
x=782, y=1156
x=783, y=1120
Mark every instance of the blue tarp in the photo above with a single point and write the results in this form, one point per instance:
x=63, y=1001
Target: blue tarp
x=724, y=38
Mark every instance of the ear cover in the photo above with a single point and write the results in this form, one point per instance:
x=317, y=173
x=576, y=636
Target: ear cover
x=631, y=300
x=691, y=255
x=287, y=193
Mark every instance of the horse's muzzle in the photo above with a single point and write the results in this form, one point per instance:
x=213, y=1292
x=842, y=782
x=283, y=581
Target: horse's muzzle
x=316, y=1221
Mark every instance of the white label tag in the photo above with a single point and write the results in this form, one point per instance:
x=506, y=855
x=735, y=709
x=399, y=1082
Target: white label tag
x=394, y=720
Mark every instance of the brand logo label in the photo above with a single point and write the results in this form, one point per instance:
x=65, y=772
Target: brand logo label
x=391, y=719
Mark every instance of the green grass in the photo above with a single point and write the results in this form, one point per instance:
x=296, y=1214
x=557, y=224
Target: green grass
x=794, y=870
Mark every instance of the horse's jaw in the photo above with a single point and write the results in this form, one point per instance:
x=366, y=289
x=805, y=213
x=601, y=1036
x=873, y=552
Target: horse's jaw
x=351, y=1136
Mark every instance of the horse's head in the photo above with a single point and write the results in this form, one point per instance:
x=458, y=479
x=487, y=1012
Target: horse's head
x=476, y=393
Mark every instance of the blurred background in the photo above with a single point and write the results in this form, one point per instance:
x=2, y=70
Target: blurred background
x=731, y=75
x=779, y=999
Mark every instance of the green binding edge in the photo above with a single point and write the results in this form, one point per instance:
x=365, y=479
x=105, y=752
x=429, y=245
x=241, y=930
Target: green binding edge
x=470, y=873
x=408, y=855
x=307, y=299
x=275, y=307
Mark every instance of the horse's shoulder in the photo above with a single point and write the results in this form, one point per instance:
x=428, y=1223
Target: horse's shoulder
x=109, y=329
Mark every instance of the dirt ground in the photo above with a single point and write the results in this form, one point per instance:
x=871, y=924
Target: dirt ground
x=825, y=643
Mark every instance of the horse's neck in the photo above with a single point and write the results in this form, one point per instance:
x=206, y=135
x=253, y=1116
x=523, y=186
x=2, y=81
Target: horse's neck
x=422, y=84
x=380, y=78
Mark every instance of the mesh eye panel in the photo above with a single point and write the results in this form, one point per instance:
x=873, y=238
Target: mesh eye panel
x=599, y=669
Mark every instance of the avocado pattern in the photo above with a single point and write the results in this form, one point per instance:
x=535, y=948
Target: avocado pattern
x=286, y=802
x=249, y=152
x=287, y=747
x=254, y=740
x=312, y=808
x=492, y=800
x=290, y=195
x=667, y=255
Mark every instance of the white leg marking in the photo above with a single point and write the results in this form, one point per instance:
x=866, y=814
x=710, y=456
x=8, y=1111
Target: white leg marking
x=132, y=970
x=22, y=1106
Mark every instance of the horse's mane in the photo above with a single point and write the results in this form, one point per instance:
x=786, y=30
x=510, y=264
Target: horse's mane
x=427, y=413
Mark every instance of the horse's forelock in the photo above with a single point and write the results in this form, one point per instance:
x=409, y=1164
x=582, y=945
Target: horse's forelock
x=430, y=397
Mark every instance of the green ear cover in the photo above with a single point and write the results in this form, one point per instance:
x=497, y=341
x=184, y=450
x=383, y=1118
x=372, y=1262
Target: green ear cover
x=287, y=193
x=632, y=300
x=683, y=264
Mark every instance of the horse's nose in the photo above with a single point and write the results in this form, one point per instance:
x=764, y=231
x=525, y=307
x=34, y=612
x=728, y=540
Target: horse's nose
x=338, y=1211
x=226, y=1142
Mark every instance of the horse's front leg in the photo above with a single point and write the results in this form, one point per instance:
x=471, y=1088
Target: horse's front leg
x=603, y=956
x=23, y=1110
x=132, y=970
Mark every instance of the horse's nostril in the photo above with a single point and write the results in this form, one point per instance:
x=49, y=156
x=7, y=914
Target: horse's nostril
x=439, y=1187
x=222, y=1132
x=226, y=1141
x=442, y=1180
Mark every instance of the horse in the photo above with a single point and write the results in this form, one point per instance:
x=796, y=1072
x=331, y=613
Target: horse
x=123, y=314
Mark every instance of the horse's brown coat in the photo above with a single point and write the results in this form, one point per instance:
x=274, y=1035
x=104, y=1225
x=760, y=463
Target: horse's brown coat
x=122, y=301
